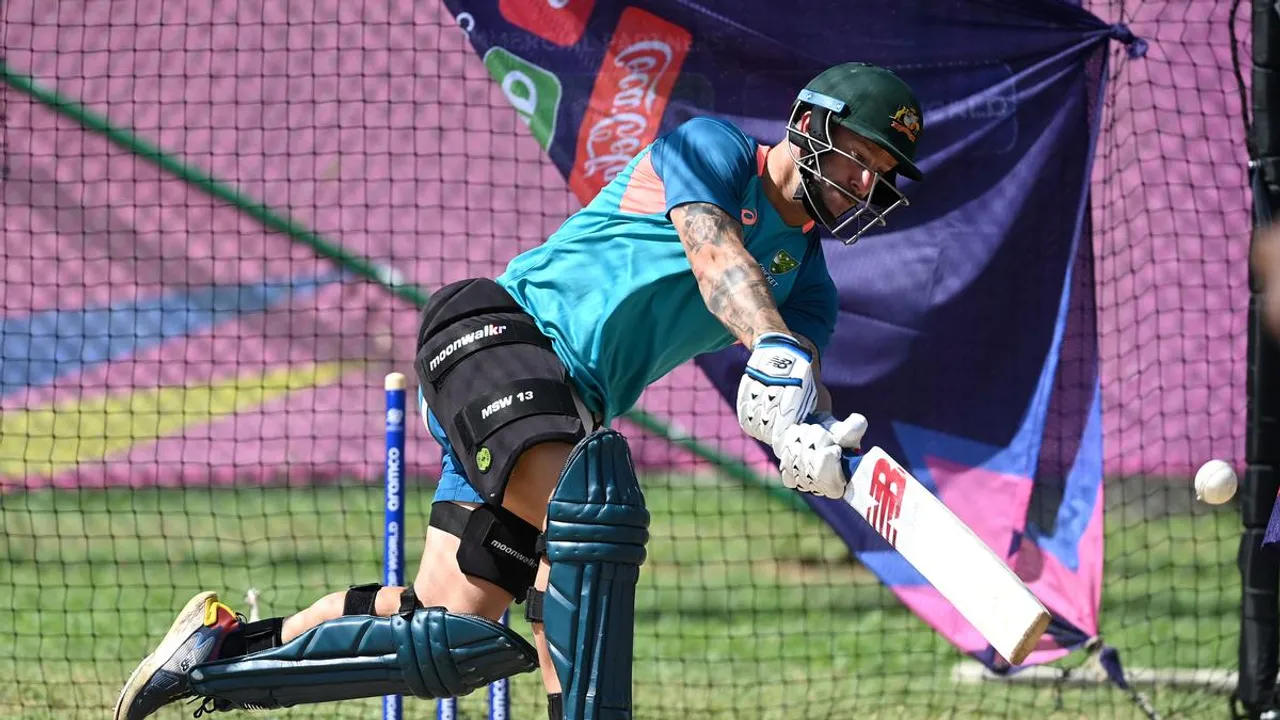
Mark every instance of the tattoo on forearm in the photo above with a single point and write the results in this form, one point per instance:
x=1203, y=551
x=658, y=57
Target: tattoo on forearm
x=741, y=299
x=733, y=287
x=706, y=225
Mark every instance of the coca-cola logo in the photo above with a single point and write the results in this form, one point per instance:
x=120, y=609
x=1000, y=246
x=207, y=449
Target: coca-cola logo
x=629, y=98
x=616, y=138
x=644, y=62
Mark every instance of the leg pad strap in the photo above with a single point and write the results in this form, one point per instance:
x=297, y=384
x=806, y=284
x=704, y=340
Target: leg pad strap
x=360, y=599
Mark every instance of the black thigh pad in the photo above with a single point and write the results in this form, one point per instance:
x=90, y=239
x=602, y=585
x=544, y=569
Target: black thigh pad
x=492, y=380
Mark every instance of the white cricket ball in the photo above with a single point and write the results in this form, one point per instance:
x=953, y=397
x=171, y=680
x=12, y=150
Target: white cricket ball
x=1215, y=482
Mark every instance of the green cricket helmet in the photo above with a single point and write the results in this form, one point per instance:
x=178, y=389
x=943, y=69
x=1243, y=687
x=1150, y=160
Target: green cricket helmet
x=874, y=103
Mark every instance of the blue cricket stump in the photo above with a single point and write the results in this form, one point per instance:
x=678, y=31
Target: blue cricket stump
x=393, y=529
x=393, y=550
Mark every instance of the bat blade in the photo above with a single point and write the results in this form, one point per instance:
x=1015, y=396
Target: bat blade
x=949, y=554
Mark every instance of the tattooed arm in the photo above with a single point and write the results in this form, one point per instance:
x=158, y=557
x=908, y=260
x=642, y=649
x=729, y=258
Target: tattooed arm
x=732, y=284
x=778, y=389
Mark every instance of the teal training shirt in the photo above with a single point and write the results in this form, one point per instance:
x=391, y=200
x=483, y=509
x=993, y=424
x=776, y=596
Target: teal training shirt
x=613, y=288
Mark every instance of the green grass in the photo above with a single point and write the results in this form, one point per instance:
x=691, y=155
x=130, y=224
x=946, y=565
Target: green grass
x=745, y=610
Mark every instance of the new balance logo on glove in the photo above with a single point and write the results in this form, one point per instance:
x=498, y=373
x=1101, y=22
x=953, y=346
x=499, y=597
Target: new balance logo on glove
x=780, y=362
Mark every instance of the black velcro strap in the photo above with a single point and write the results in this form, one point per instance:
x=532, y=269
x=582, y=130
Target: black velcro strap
x=555, y=706
x=459, y=343
x=263, y=635
x=449, y=517
x=533, y=605
x=251, y=637
x=360, y=599
x=409, y=601
x=485, y=415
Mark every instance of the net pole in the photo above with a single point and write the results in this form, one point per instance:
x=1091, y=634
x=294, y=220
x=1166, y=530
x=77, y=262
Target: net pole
x=1259, y=648
x=393, y=550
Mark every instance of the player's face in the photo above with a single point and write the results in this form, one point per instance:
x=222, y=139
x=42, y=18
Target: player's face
x=853, y=169
x=844, y=175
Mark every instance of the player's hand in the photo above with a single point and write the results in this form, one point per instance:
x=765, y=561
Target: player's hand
x=811, y=455
x=777, y=390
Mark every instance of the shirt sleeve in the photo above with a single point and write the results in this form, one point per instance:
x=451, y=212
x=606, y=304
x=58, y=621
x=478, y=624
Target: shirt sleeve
x=811, y=308
x=705, y=160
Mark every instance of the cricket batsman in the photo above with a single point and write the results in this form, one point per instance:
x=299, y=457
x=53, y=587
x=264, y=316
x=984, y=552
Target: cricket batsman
x=705, y=239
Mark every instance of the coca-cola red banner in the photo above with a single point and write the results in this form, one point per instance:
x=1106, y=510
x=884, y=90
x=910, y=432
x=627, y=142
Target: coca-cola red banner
x=592, y=99
x=629, y=99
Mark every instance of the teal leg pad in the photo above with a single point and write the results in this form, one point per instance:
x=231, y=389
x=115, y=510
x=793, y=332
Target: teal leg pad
x=597, y=528
x=430, y=654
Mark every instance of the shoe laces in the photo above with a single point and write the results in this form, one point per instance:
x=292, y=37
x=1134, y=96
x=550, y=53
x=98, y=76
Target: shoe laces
x=209, y=705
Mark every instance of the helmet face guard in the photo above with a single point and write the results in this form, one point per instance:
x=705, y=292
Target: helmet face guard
x=807, y=150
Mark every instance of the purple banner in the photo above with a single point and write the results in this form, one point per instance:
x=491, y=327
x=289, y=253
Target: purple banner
x=954, y=322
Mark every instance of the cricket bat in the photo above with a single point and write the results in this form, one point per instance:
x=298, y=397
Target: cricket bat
x=950, y=555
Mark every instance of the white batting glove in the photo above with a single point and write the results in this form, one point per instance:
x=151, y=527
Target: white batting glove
x=811, y=455
x=777, y=390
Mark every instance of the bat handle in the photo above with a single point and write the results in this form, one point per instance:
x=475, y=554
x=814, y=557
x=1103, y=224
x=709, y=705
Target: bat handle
x=850, y=460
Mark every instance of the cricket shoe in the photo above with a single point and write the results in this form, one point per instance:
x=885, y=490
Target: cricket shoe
x=161, y=678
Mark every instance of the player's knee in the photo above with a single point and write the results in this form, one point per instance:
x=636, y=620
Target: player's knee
x=494, y=546
x=601, y=513
x=597, y=528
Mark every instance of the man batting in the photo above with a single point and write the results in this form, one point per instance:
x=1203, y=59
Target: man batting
x=705, y=239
